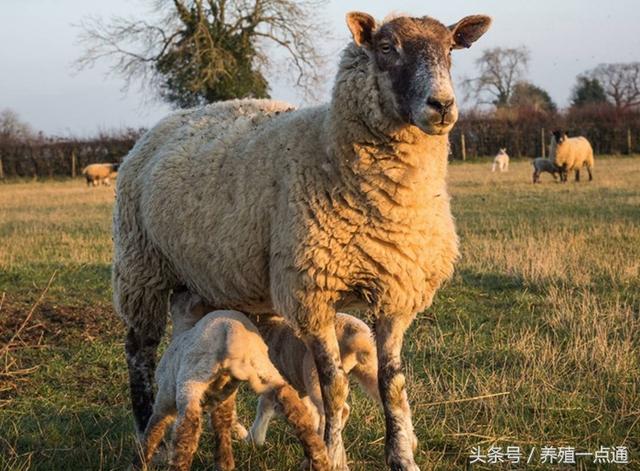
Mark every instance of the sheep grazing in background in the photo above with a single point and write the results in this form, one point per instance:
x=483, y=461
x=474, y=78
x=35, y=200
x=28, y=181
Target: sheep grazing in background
x=571, y=153
x=295, y=362
x=501, y=161
x=201, y=369
x=540, y=165
x=100, y=173
x=302, y=213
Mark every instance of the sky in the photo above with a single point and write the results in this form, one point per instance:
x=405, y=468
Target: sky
x=38, y=44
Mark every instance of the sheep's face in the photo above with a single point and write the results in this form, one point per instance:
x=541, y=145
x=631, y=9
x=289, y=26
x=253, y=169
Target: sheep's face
x=412, y=59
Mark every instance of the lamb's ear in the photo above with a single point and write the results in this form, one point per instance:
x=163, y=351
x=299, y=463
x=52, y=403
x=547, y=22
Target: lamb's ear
x=361, y=26
x=469, y=29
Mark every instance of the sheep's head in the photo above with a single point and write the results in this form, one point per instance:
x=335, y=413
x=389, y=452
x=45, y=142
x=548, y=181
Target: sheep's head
x=559, y=136
x=412, y=57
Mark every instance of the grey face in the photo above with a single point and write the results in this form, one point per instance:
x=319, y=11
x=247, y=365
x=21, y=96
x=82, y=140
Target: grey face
x=415, y=53
x=413, y=57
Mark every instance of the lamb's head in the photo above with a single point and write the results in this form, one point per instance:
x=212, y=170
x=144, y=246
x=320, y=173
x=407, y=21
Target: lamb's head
x=412, y=60
x=186, y=310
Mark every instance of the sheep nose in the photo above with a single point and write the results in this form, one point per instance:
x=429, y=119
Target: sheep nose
x=441, y=104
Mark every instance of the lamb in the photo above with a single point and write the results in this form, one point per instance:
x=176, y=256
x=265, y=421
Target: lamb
x=100, y=173
x=501, y=161
x=540, y=164
x=294, y=361
x=303, y=213
x=201, y=369
x=571, y=153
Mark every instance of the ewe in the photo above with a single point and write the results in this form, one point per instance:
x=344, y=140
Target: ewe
x=302, y=213
x=571, y=153
x=100, y=173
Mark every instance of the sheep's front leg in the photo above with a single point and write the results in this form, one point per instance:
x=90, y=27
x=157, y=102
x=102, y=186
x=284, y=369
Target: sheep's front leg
x=334, y=386
x=400, y=440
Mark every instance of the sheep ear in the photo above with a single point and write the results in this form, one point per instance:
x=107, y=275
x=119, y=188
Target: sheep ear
x=361, y=26
x=469, y=29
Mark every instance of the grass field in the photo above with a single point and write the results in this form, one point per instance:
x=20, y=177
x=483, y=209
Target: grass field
x=535, y=341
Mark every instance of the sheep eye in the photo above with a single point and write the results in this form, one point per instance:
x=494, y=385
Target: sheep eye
x=385, y=48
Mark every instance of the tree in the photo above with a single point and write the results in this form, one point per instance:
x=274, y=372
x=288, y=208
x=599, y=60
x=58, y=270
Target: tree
x=621, y=83
x=201, y=51
x=500, y=69
x=587, y=91
x=12, y=128
x=528, y=95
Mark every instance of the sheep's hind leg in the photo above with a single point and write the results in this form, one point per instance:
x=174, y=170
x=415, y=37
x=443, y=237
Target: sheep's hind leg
x=400, y=440
x=577, y=175
x=589, y=172
x=334, y=386
x=141, y=297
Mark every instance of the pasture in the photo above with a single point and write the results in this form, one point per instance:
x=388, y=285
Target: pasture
x=534, y=342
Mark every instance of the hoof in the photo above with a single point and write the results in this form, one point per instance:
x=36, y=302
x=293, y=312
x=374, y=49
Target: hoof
x=239, y=431
x=398, y=464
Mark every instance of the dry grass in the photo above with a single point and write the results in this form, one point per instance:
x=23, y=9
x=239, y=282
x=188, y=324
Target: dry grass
x=536, y=340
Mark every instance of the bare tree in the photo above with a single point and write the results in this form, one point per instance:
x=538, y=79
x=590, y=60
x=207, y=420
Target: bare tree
x=621, y=83
x=198, y=51
x=500, y=70
x=12, y=128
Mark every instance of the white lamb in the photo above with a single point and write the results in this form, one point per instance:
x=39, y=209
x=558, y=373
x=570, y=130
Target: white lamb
x=295, y=362
x=201, y=369
x=501, y=161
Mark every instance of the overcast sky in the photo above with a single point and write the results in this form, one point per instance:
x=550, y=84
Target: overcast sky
x=38, y=44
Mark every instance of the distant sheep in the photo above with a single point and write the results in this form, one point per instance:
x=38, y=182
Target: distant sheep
x=295, y=362
x=200, y=370
x=571, y=153
x=302, y=213
x=541, y=165
x=501, y=161
x=100, y=173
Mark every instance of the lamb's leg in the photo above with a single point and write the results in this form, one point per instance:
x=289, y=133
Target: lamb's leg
x=577, y=175
x=222, y=423
x=154, y=433
x=187, y=434
x=400, y=440
x=264, y=413
x=334, y=386
x=303, y=425
x=589, y=172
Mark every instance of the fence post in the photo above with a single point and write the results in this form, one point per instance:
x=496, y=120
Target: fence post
x=73, y=163
x=544, y=150
x=463, y=147
x=629, y=148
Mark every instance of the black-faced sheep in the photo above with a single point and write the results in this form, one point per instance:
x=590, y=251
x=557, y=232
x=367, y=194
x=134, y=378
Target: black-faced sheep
x=100, y=173
x=303, y=213
x=571, y=153
x=540, y=165
x=201, y=370
x=295, y=362
x=501, y=161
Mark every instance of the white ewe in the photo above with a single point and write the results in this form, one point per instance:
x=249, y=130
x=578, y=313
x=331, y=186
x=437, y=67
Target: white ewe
x=303, y=213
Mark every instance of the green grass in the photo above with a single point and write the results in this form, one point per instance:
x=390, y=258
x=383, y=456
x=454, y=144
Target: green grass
x=534, y=342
